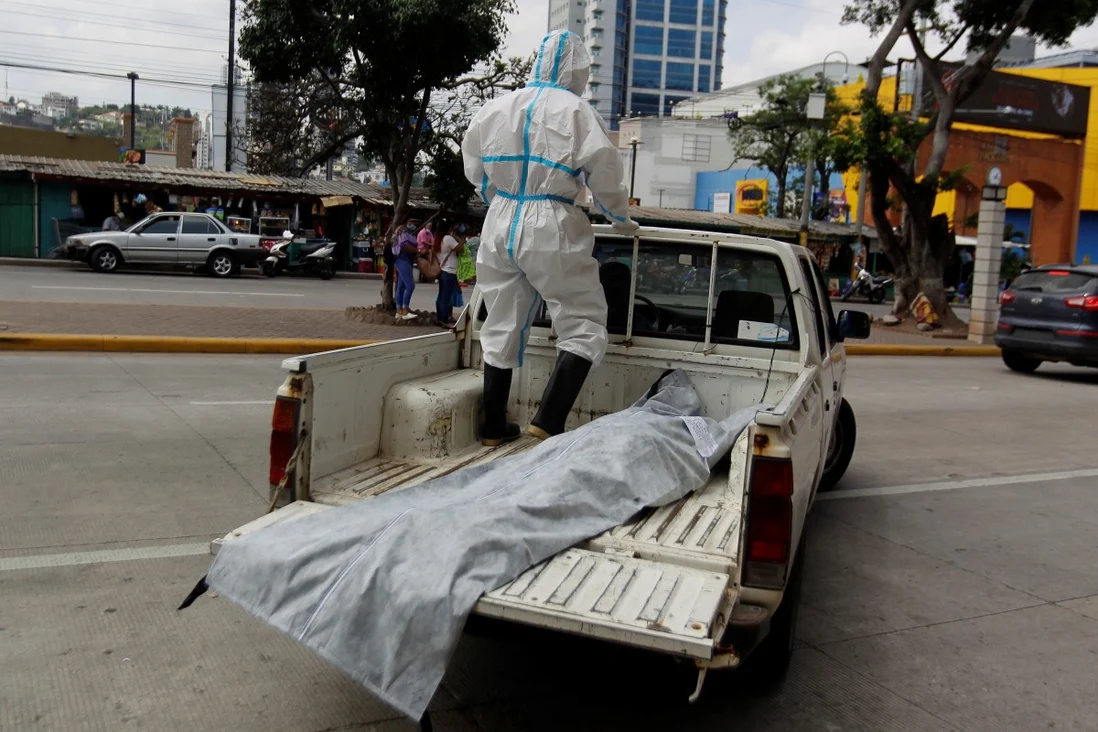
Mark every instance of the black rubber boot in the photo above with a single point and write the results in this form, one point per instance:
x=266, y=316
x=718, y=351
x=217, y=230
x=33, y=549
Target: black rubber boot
x=497, y=390
x=560, y=395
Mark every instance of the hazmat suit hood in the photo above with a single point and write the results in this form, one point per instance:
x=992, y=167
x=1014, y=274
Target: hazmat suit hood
x=562, y=62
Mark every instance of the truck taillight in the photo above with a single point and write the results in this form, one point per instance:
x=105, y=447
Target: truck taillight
x=283, y=436
x=1083, y=302
x=769, y=523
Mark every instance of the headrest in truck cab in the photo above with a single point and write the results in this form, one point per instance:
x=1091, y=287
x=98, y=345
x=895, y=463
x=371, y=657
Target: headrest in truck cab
x=736, y=305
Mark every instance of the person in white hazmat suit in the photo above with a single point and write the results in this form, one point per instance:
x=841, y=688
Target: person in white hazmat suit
x=530, y=154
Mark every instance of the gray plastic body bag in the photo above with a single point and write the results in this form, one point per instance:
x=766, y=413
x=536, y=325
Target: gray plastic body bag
x=381, y=588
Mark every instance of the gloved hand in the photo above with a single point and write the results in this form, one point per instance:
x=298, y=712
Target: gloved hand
x=626, y=228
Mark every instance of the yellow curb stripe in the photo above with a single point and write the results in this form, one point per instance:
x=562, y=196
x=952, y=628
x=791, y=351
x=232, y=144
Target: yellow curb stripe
x=869, y=349
x=169, y=344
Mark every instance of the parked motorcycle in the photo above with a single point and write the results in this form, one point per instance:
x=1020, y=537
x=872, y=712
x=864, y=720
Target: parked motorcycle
x=867, y=286
x=310, y=256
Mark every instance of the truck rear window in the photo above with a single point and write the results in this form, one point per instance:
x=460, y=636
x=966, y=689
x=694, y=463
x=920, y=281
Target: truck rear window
x=1055, y=281
x=751, y=302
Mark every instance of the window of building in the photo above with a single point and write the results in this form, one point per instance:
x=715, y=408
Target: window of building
x=648, y=39
x=596, y=33
x=646, y=74
x=645, y=105
x=707, y=12
x=684, y=11
x=703, y=77
x=669, y=102
x=681, y=43
x=696, y=148
x=650, y=10
x=706, y=45
x=679, y=76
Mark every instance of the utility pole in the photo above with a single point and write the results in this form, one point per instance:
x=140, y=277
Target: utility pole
x=230, y=87
x=633, y=165
x=815, y=110
x=133, y=77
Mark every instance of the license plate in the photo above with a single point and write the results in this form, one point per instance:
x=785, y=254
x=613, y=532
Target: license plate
x=1034, y=334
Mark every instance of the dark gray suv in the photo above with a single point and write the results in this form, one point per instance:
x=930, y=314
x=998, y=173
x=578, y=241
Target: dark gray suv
x=1050, y=314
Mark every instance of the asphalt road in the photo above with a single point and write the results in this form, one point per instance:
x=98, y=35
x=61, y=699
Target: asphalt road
x=79, y=285
x=52, y=284
x=943, y=592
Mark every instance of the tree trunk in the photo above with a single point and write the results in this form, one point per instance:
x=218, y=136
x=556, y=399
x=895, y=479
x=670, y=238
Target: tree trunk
x=781, y=194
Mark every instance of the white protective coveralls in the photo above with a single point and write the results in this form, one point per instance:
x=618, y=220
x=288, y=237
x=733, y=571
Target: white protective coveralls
x=529, y=154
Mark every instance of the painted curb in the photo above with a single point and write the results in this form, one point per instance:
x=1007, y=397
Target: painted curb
x=868, y=349
x=169, y=344
x=175, y=344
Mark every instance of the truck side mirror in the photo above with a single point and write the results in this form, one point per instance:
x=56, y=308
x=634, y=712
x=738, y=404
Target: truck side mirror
x=853, y=324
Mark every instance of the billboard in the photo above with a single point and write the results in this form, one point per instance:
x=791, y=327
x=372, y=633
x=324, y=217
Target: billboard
x=1023, y=103
x=722, y=202
x=752, y=196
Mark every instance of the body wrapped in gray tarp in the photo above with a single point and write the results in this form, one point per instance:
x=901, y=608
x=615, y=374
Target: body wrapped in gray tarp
x=382, y=588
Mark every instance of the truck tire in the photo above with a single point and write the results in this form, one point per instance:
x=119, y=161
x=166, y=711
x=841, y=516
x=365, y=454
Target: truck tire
x=1022, y=364
x=766, y=666
x=105, y=259
x=841, y=449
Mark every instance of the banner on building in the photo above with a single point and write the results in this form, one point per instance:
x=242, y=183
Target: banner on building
x=1022, y=103
x=131, y=156
x=722, y=202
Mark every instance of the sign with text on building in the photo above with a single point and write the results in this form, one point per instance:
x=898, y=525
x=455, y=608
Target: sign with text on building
x=722, y=202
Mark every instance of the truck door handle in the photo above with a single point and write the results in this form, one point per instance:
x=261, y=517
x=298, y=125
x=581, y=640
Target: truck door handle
x=827, y=406
x=212, y=238
x=171, y=238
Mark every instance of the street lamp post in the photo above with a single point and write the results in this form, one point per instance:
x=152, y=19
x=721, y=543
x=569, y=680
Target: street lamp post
x=133, y=77
x=817, y=102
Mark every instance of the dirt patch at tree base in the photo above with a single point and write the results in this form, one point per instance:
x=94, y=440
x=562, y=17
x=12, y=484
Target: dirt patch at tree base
x=378, y=315
x=950, y=327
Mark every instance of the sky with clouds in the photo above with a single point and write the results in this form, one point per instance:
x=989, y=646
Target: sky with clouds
x=179, y=49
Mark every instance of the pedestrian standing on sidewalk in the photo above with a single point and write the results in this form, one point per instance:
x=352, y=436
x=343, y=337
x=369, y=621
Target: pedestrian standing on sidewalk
x=449, y=251
x=467, y=262
x=404, y=253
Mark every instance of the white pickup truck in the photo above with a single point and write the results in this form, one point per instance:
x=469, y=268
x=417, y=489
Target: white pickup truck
x=713, y=578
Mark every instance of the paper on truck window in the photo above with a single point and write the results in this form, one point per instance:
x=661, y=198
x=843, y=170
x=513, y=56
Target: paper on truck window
x=753, y=330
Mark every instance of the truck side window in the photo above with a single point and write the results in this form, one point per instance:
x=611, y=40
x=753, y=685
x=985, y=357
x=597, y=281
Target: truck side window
x=825, y=298
x=813, y=293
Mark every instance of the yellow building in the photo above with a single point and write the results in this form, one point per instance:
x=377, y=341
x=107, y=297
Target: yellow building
x=1020, y=198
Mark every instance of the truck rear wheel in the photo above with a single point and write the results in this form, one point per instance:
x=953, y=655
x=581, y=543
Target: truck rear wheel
x=768, y=663
x=841, y=449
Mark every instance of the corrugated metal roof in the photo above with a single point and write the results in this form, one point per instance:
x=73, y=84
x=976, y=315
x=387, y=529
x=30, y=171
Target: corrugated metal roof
x=193, y=178
x=744, y=223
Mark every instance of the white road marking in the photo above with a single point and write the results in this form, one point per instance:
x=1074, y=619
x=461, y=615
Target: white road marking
x=265, y=402
x=952, y=485
x=71, y=559
x=168, y=292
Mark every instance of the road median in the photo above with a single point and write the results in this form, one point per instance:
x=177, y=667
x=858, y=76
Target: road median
x=188, y=344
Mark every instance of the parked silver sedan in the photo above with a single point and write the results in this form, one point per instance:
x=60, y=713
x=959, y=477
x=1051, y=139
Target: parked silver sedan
x=168, y=239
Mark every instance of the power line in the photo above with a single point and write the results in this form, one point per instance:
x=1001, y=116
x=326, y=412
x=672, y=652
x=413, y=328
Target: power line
x=175, y=13
x=190, y=26
x=100, y=74
x=210, y=77
x=159, y=47
x=110, y=25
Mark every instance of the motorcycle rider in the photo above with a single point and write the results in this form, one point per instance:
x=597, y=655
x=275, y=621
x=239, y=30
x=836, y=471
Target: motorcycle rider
x=530, y=154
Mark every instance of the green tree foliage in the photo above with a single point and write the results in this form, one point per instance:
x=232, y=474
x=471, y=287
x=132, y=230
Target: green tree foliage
x=369, y=70
x=887, y=144
x=776, y=137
